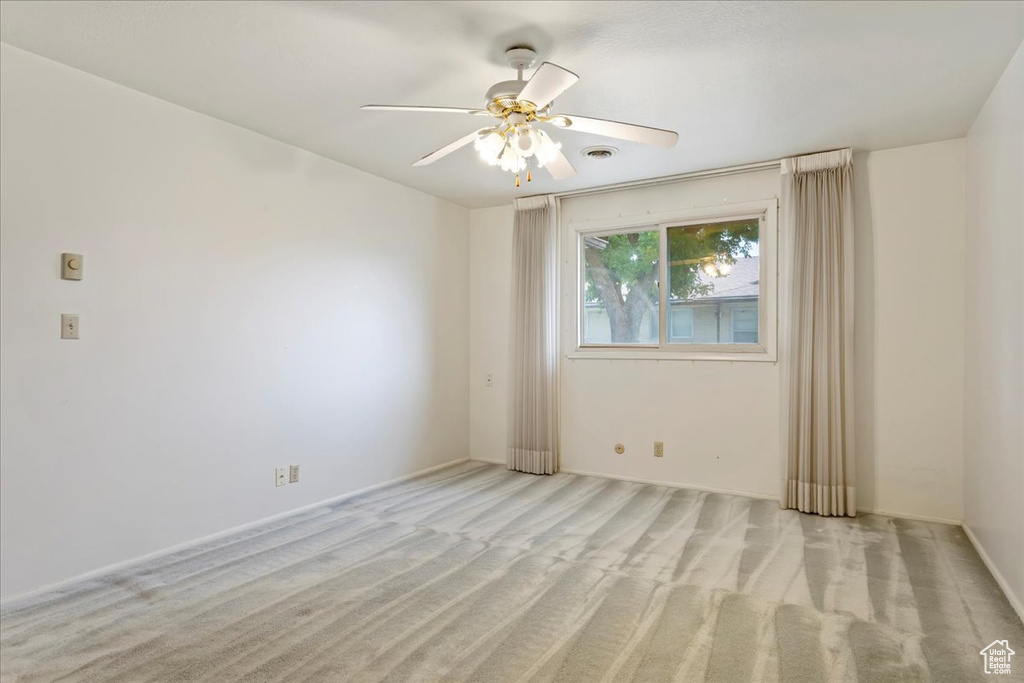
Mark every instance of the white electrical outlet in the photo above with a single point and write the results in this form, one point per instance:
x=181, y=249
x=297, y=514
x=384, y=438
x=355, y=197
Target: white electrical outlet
x=293, y=474
x=281, y=476
x=659, y=449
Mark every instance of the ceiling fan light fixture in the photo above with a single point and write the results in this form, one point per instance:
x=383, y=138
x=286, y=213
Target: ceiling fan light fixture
x=489, y=146
x=517, y=105
x=525, y=141
x=547, y=149
x=510, y=149
x=508, y=160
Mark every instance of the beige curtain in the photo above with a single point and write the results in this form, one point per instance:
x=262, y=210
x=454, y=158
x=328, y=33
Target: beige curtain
x=533, y=400
x=816, y=344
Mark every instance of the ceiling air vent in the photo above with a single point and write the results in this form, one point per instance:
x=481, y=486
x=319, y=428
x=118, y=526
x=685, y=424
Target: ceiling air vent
x=599, y=152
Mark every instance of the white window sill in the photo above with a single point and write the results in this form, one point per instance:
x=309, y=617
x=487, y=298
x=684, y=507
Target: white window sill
x=742, y=353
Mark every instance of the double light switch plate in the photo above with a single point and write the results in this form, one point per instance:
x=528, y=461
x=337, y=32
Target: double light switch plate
x=70, y=269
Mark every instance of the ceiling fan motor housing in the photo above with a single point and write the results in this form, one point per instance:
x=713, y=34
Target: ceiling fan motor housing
x=505, y=93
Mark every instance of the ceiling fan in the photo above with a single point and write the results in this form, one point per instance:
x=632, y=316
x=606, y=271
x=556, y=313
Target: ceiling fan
x=514, y=142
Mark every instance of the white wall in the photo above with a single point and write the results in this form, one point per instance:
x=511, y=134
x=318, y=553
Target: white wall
x=908, y=350
x=994, y=473
x=490, y=289
x=691, y=407
x=245, y=305
x=909, y=293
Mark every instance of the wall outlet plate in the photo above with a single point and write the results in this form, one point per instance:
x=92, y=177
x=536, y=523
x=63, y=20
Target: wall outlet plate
x=280, y=476
x=659, y=449
x=293, y=474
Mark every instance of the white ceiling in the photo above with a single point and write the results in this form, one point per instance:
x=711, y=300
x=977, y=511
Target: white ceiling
x=740, y=82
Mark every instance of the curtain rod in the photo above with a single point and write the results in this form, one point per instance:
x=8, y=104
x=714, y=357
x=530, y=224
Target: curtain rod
x=730, y=170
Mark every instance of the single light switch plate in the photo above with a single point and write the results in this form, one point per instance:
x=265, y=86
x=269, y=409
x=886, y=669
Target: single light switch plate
x=71, y=266
x=69, y=326
x=280, y=476
x=293, y=474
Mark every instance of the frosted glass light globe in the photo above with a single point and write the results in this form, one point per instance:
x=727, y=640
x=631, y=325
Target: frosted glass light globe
x=546, y=148
x=511, y=162
x=525, y=142
x=488, y=146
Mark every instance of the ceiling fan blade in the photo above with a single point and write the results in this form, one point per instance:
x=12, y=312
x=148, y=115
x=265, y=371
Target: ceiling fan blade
x=547, y=83
x=622, y=131
x=438, y=110
x=449, y=148
x=559, y=167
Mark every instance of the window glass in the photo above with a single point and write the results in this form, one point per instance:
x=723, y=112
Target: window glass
x=681, y=323
x=713, y=270
x=620, y=297
x=744, y=325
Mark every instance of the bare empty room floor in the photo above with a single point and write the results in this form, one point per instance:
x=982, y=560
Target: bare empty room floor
x=478, y=573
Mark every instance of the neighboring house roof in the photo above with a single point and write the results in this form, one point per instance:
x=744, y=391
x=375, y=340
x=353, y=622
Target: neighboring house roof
x=742, y=281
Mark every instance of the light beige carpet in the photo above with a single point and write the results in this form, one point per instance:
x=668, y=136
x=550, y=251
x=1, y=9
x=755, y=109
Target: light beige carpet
x=477, y=573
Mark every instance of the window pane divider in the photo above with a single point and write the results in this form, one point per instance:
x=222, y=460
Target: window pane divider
x=662, y=286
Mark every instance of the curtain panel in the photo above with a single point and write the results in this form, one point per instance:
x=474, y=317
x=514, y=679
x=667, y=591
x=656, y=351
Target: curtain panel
x=533, y=386
x=816, y=344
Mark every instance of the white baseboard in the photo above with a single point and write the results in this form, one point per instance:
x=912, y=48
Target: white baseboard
x=10, y=601
x=1014, y=599
x=493, y=461
x=656, y=482
x=674, y=485
x=734, y=492
x=907, y=515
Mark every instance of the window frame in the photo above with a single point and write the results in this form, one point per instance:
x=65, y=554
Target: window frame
x=765, y=350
